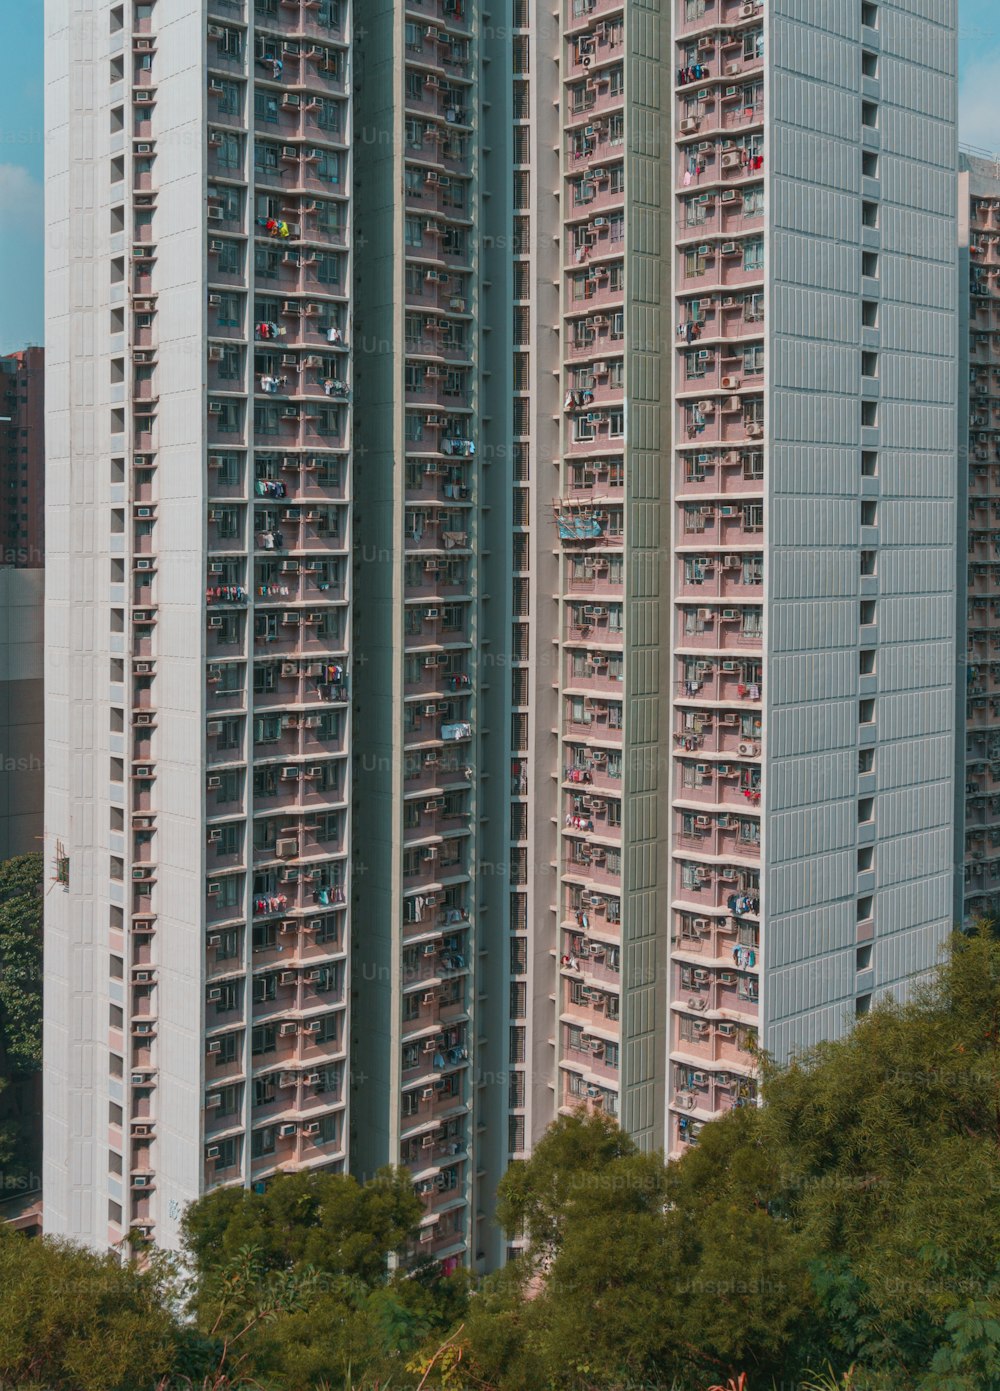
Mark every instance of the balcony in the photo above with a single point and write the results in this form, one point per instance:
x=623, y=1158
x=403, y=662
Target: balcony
x=598, y=195
x=293, y=786
x=719, y=836
x=715, y=216
x=600, y=724
x=729, y=420
x=710, y=15
x=724, y=111
x=720, y=265
x=596, y=675
x=724, y=576
x=594, y=289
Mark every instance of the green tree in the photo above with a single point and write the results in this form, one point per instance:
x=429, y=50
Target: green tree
x=71, y=1320
x=295, y=1285
x=853, y=1221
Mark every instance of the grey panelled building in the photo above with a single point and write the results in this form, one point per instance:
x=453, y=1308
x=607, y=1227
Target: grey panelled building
x=502, y=575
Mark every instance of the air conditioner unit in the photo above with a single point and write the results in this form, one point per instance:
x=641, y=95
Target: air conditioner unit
x=289, y=1128
x=144, y=148
x=287, y=1028
x=726, y=1030
x=747, y=750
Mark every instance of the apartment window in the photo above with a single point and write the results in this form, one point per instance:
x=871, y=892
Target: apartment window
x=749, y=831
x=866, y=662
x=869, y=114
x=263, y=1141
x=869, y=414
x=413, y=231
x=228, y=315
x=867, y=612
x=866, y=809
x=869, y=213
x=869, y=512
x=328, y=167
x=266, y=263
x=869, y=364
x=753, y=45
x=866, y=711
x=869, y=263
x=265, y=158
x=265, y=107
x=869, y=313
x=869, y=560
x=866, y=858
x=869, y=14
x=694, y=265
x=869, y=164
x=753, y=360
x=864, y=957
x=753, y=255
x=328, y=219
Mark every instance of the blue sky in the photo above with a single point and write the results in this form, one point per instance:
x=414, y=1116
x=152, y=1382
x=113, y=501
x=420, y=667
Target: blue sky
x=21, y=160
x=21, y=152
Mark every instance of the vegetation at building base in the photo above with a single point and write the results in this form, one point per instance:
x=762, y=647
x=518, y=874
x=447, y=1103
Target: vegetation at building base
x=20, y=1023
x=851, y=1226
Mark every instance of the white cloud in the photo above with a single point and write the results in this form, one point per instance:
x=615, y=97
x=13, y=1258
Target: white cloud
x=978, y=122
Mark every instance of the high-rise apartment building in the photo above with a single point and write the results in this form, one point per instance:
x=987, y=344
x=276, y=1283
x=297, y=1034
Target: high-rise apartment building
x=977, y=819
x=198, y=667
x=428, y=423
x=751, y=496
x=814, y=494
x=22, y=458
x=576, y=393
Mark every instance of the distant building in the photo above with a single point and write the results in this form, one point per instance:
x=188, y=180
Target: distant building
x=22, y=605
x=22, y=459
x=22, y=598
x=977, y=819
